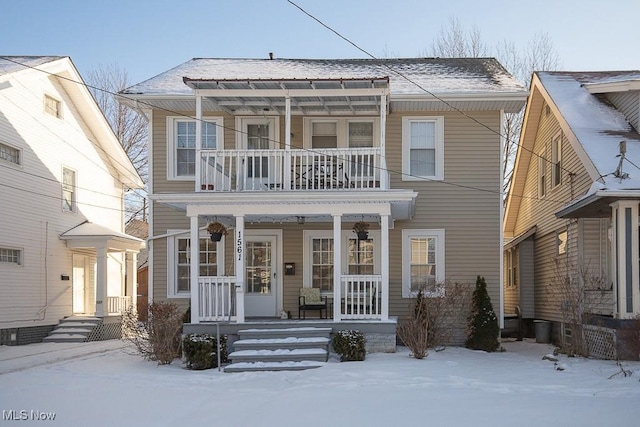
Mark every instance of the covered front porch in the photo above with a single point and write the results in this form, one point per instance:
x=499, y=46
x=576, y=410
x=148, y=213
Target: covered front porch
x=352, y=274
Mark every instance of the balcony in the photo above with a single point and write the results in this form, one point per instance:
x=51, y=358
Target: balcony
x=291, y=170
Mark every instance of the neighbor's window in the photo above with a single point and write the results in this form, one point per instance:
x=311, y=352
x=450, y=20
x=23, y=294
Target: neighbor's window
x=10, y=256
x=512, y=268
x=182, y=144
x=556, y=160
x=180, y=270
x=52, y=106
x=561, y=242
x=422, y=262
x=422, y=148
x=69, y=193
x=542, y=176
x=9, y=154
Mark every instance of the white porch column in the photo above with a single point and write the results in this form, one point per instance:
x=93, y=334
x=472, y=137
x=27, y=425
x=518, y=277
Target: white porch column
x=337, y=266
x=625, y=258
x=240, y=268
x=287, y=143
x=194, y=268
x=132, y=278
x=384, y=267
x=384, y=175
x=198, y=140
x=102, y=277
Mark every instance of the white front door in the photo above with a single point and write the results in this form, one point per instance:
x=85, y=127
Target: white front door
x=79, y=283
x=261, y=276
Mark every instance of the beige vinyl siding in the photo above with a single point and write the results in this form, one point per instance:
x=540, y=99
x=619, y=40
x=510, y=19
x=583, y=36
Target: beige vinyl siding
x=470, y=218
x=629, y=105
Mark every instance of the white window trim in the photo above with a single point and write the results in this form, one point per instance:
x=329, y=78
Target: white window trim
x=407, y=234
x=406, y=147
x=274, y=130
x=172, y=260
x=10, y=163
x=20, y=263
x=172, y=173
x=74, y=207
x=556, y=156
x=59, y=115
x=342, y=129
x=307, y=252
x=542, y=173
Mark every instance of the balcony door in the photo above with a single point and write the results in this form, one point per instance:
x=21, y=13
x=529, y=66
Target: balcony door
x=259, y=135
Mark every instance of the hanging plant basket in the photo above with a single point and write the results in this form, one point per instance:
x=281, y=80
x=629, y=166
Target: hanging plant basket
x=217, y=230
x=361, y=229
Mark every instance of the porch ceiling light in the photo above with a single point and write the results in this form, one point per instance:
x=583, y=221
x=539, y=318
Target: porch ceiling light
x=301, y=220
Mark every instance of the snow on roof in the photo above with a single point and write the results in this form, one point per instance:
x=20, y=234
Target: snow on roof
x=11, y=64
x=89, y=229
x=439, y=75
x=597, y=125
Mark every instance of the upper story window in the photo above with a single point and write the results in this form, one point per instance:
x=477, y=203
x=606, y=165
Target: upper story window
x=52, y=106
x=10, y=154
x=181, y=134
x=542, y=176
x=422, y=148
x=341, y=132
x=11, y=256
x=556, y=160
x=422, y=262
x=69, y=191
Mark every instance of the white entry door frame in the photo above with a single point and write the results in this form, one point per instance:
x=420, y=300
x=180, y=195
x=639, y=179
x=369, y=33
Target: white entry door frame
x=263, y=287
x=79, y=284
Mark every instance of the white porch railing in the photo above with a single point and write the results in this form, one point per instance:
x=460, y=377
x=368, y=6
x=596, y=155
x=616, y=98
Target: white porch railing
x=216, y=298
x=277, y=170
x=361, y=296
x=118, y=305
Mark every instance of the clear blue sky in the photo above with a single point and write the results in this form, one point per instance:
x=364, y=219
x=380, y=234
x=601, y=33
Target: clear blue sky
x=147, y=37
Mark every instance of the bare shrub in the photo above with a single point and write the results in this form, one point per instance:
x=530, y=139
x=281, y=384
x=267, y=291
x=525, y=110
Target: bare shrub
x=413, y=331
x=157, y=339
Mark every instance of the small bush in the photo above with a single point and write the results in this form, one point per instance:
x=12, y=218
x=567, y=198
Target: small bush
x=413, y=332
x=159, y=337
x=349, y=345
x=483, y=323
x=201, y=351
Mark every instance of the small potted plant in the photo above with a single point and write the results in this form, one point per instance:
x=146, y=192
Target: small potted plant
x=361, y=228
x=217, y=230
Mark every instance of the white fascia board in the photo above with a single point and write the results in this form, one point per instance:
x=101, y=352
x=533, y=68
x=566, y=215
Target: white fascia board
x=373, y=208
x=621, y=86
x=463, y=96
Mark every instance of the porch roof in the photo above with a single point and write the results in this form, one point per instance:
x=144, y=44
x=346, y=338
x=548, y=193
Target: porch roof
x=90, y=235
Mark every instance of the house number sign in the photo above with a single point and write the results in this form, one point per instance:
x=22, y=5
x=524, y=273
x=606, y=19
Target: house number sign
x=239, y=246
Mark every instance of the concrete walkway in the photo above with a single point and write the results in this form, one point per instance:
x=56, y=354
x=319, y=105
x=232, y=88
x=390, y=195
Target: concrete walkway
x=23, y=357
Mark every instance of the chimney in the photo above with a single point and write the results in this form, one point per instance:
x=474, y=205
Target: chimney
x=271, y=55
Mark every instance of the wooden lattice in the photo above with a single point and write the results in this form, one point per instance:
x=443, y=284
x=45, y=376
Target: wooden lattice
x=601, y=342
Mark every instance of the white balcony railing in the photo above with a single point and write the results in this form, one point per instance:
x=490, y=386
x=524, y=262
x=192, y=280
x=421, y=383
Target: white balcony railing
x=118, y=305
x=277, y=170
x=216, y=298
x=361, y=296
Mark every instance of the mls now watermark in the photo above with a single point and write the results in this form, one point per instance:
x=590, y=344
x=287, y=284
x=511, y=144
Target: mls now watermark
x=24, y=415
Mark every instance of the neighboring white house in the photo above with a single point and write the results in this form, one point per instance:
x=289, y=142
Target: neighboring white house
x=63, y=175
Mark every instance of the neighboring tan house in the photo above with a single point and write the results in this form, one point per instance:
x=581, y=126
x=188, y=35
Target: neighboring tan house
x=63, y=250
x=289, y=154
x=572, y=212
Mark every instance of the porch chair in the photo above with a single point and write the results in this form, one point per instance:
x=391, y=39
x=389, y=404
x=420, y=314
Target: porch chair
x=310, y=299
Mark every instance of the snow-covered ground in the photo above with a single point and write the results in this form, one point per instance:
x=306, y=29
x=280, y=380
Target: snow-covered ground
x=102, y=384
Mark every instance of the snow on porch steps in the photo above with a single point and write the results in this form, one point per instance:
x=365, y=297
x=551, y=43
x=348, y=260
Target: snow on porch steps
x=289, y=349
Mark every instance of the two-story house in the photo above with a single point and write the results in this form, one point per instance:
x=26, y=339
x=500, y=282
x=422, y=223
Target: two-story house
x=63, y=175
x=289, y=154
x=571, y=220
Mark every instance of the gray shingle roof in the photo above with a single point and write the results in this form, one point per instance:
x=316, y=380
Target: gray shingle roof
x=9, y=66
x=437, y=75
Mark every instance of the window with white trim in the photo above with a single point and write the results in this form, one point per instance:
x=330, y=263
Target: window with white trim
x=341, y=132
x=542, y=176
x=52, y=106
x=69, y=191
x=422, y=148
x=361, y=256
x=179, y=268
x=181, y=136
x=422, y=262
x=556, y=160
x=322, y=263
x=10, y=154
x=324, y=134
x=10, y=256
x=512, y=268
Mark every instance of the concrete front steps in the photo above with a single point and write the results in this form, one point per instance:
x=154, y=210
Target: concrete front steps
x=283, y=349
x=73, y=329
